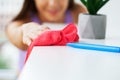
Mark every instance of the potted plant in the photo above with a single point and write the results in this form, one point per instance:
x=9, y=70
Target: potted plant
x=92, y=25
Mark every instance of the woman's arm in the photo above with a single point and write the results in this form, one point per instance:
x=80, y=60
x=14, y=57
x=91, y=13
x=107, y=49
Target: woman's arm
x=22, y=34
x=14, y=34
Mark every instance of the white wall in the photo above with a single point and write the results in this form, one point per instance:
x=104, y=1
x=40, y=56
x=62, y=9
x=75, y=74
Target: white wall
x=113, y=17
x=111, y=9
x=8, y=10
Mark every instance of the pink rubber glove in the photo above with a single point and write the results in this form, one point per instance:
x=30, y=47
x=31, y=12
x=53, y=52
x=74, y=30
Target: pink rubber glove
x=55, y=37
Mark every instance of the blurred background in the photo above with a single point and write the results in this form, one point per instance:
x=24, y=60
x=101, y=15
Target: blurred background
x=9, y=54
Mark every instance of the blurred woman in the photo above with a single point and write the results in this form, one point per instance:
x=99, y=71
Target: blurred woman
x=27, y=25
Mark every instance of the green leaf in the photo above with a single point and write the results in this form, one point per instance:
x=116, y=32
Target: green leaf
x=93, y=6
x=101, y=4
x=83, y=1
x=90, y=7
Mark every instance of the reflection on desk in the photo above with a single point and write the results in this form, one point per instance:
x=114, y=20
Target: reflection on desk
x=67, y=63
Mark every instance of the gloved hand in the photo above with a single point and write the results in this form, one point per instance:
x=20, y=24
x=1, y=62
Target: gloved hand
x=55, y=37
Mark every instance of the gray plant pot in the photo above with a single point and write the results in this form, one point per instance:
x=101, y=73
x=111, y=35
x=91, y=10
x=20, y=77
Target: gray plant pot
x=92, y=26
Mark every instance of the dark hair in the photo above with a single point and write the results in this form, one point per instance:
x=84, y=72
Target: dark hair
x=29, y=6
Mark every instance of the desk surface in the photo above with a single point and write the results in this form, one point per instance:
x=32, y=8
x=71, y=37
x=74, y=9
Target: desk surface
x=67, y=63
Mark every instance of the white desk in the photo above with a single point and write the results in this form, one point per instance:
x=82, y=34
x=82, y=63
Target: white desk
x=67, y=63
